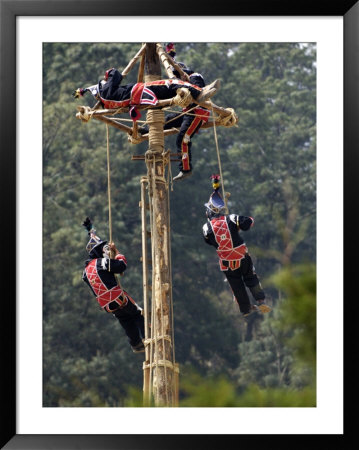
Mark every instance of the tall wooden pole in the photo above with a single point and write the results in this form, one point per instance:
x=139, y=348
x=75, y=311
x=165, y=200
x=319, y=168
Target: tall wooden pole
x=160, y=369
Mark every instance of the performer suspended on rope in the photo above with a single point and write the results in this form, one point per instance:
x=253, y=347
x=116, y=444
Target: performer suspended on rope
x=114, y=95
x=188, y=124
x=99, y=274
x=222, y=232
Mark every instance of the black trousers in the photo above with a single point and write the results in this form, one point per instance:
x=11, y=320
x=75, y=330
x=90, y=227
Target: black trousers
x=132, y=322
x=163, y=92
x=241, y=278
x=188, y=125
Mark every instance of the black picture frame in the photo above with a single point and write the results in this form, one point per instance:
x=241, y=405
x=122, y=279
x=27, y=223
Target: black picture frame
x=9, y=10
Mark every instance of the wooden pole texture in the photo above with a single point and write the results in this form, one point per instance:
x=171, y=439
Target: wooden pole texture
x=145, y=277
x=160, y=357
x=169, y=62
x=133, y=60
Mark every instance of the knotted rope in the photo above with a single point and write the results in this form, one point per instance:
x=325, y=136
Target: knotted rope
x=230, y=120
x=183, y=98
x=84, y=113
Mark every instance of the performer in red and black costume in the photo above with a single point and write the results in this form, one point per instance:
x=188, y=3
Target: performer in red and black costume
x=99, y=274
x=188, y=124
x=222, y=232
x=114, y=95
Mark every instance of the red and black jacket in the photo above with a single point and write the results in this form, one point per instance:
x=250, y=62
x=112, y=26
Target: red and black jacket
x=223, y=233
x=99, y=275
x=114, y=95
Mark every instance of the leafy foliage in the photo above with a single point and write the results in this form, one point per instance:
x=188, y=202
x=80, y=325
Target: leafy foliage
x=270, y=374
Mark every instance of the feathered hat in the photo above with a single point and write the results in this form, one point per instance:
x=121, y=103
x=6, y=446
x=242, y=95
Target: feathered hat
x=95, y=244
x=170, y=49
x=215, y=205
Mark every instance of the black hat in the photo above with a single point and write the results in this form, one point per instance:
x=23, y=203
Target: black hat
x=216, y=204
x=95, y=246
x=185, y=69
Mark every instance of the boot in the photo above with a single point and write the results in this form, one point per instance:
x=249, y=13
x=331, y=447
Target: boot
x=138, y=348
x=208, y=91
x=252, y=309
x=142, y=130
x=263, y=307
x=182, y=175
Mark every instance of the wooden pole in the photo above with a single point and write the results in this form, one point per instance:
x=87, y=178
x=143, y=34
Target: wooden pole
x=160, y=359
x=164, y=60
x=146, y=367
x=169, y=62
x=133, y=61
x=222, y=112
x=141, y=69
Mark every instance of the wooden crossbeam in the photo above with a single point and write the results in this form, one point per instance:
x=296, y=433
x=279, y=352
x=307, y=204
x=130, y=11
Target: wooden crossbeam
x=161, y=104
x=133, y=60
x=142, y=157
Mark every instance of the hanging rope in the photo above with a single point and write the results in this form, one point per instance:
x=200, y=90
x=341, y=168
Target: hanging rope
x=225, y=194
x=168, y=182
x=109, y=183
x=170, y=178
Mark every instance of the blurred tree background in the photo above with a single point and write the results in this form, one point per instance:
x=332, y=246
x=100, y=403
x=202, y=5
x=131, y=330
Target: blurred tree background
x=269, y=167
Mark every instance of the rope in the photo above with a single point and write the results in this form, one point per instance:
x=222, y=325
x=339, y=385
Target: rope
x=170, y=180
x=184, y=113
x=84, y=113
x=183, y=98
x=112, y=254
x=156, y=118
x=109, y=183
x=152, y=330
x=225, y=195
x=139, y=139
x=230, y=120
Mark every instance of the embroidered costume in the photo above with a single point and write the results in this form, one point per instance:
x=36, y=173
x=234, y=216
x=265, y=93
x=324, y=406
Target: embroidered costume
x=99, y=275
x=222, y=231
